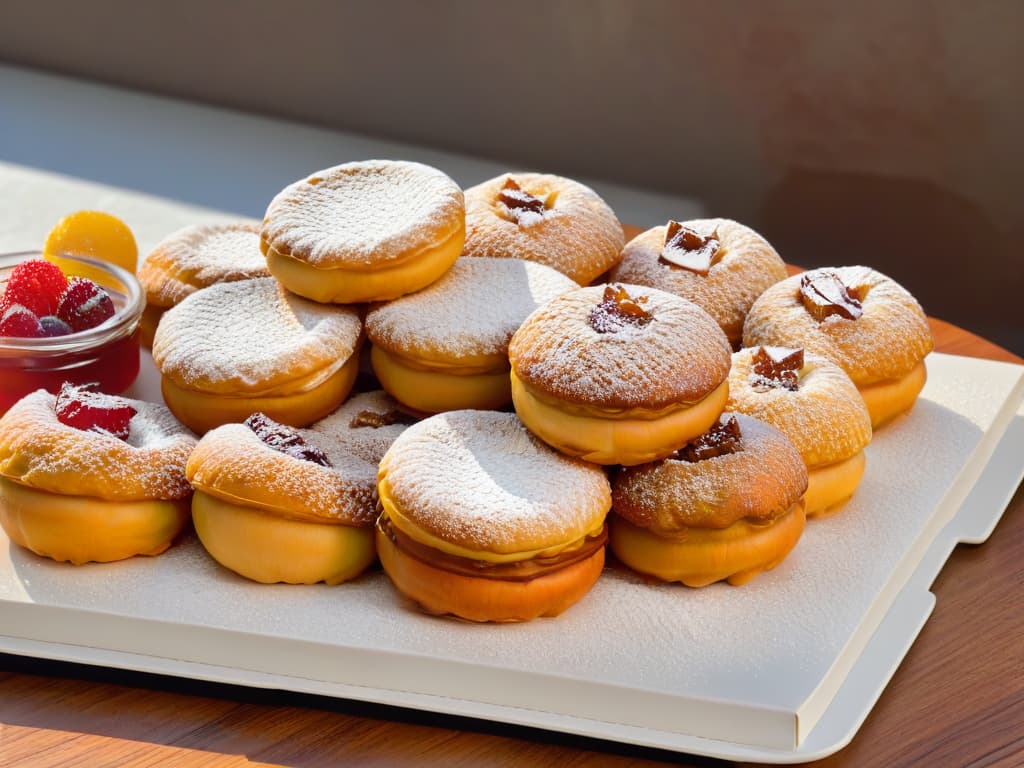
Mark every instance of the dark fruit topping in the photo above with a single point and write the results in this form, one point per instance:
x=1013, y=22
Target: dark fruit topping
x=37, y=285
x=84, y=305
x=618, y=309
x=825, y=294
x=775, y=367
x=285, y=439
x=52, y=325
x=722, y=439
x=687, y=248
x=523, y=206
x=375, y=420
x=85, y=408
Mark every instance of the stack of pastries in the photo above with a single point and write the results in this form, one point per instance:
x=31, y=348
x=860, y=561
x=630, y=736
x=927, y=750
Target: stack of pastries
x=691, y=412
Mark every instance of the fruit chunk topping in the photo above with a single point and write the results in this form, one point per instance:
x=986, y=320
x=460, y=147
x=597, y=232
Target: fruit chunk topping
x=285, y=439
x=824, y=293
x=687, y=248
x=525, y=208
x=375, y=420
x=618, y=308
x=35, y=284
x=84, y=407
x=722, y=439
x=84, y=305
x=776, y=367
x=20, y=322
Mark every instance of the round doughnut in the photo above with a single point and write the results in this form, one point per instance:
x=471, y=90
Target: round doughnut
x=547, y=219
x=82, y=496
x=618, y=389
x=233, y=349
x=364, y=231
x=698, y=520
x=446, y=347
x=882, y=350
x=481, y=520
x=742, y=266
x=823, y=416
x=272, y=516
x=196, y=257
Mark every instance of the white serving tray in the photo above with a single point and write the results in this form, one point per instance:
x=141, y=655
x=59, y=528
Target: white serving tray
x=782, y=670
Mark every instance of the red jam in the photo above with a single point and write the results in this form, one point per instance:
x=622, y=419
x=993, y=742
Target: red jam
x=107, y=355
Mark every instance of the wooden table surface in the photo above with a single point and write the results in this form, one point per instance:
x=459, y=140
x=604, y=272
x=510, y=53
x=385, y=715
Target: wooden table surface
x=957, y=699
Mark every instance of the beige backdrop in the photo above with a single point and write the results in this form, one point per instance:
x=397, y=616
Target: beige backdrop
x=877, y=132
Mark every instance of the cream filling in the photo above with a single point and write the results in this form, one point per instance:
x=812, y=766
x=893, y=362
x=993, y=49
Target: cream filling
x=634, y=437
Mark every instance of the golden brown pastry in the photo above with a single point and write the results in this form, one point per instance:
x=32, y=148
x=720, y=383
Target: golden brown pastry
x=446, y=347
x=233, y=349
x=364, y=231
x=720, y=265
x=92, y=477
x=619, y=374
x=861, y=320
x=726, y=506
x=543, y=218
x=814, y=403
x=481, y=520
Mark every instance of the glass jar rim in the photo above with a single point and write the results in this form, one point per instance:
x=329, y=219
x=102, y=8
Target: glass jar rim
x=123, y=323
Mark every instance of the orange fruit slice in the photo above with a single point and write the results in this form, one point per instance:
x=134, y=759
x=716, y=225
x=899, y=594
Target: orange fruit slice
x=96, y=234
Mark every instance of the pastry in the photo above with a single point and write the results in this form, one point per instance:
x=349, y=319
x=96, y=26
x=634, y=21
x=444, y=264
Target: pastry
x=814, y=403
x=619, y=374
x=276, y=504
x=196, y=257
x=446, y=347
x=481, y=520
x=718, y=264
x=91, y=477
x=366, y=231
x=861, y=320
x=548, y=219
x=725, y=506
x=233, y=349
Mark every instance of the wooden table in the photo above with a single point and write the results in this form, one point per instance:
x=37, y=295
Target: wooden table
x=957, y=699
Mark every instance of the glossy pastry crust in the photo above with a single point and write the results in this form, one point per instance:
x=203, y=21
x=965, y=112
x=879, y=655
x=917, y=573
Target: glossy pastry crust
x=577, y=234
x=745, y=267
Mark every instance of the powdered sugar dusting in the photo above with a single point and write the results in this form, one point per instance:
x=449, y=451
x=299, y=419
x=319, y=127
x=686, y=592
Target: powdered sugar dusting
x=239, y=337
x=680, y=356
x=748, y=266
x=578, y=233
x=232, y=460
x=364, y=213
x=887, y=341
x=38, y=450
x=472, y=310
x=825, y=416
x=481, y=480
x=201, y=255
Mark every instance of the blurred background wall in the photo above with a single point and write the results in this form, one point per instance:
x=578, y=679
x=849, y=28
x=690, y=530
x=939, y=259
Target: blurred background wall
x=874, y=132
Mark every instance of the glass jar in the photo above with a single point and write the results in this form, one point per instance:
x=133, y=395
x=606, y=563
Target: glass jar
x=107, y=354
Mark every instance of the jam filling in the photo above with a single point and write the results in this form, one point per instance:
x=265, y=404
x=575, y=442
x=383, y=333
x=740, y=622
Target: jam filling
x=522, y=570
x=84, y=407
x=687, y=248
x=285, y=439
x=721, y=440
x=377, y=420
x=824, y=294
x=777, y=367
x=524, y=207
x=619, y=309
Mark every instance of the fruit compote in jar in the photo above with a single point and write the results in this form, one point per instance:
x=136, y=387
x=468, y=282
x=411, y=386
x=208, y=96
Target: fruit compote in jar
x=107, y=354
